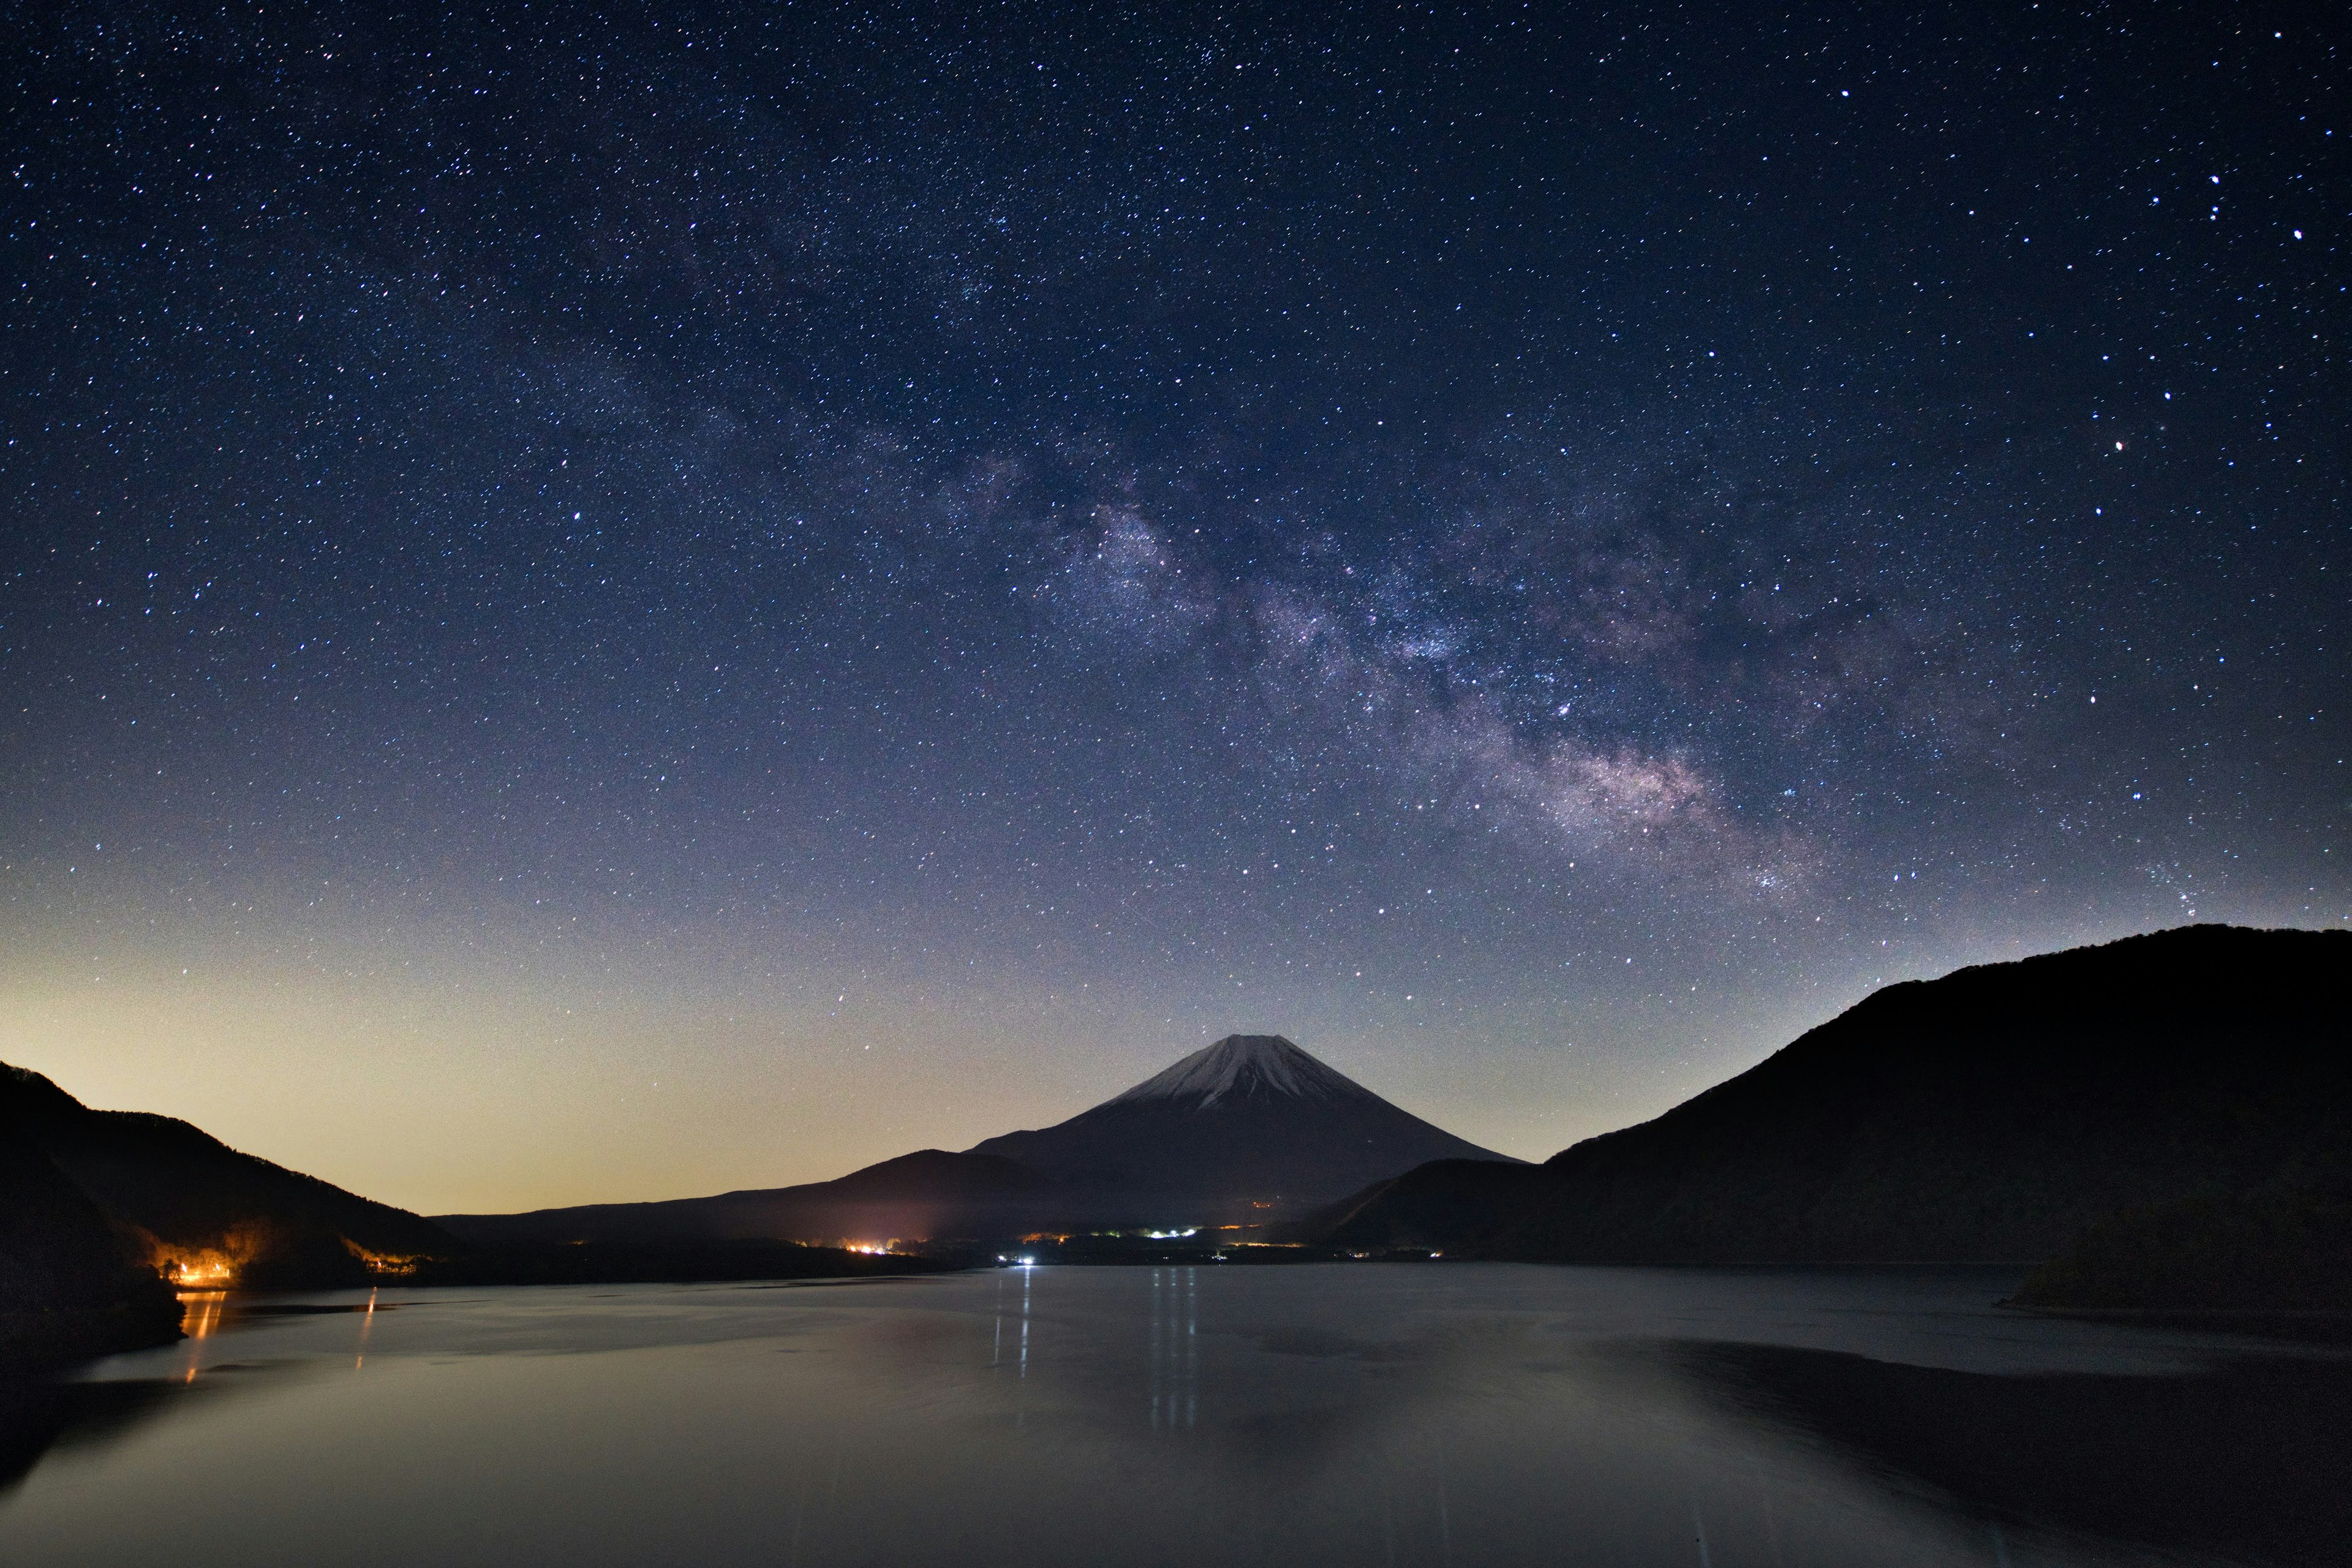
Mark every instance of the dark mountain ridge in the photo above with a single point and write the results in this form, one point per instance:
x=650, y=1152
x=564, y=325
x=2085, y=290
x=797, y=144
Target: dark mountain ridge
x=1989, y=1115
x=1251, y=1120
x=928, y=1193
x=1246, y=1129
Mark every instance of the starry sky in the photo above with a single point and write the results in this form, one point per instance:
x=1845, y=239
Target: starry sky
x=609, y=602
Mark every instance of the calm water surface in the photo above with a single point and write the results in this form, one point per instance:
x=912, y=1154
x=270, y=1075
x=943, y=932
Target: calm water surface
x=1357, y=1415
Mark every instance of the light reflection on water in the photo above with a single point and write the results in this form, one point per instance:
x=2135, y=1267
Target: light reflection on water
x=200, y=1319
x=1175, y=1348
x=1441, y=1415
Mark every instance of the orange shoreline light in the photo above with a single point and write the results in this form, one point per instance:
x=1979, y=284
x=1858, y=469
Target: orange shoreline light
x=205, y=1270
x=217, y=1267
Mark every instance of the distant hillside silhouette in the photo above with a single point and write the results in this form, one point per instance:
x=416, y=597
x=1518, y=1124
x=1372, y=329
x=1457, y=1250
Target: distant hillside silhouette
x=1991, y=1115
x=661, y=1262
x=930, y=1193
x=180, y=1195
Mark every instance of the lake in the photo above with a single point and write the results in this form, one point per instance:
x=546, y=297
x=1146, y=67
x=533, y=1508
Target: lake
x=1365, y=1414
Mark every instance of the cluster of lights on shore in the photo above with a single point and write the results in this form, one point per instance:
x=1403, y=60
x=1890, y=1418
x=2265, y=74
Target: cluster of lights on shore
x=1027, y=1261
x=215, y=1269
x=205, y=1271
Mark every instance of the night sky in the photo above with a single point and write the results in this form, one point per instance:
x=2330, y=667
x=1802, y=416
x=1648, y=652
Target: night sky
x=622, y=603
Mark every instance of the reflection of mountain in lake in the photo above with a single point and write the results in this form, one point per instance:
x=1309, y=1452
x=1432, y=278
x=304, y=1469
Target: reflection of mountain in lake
x=38, y=1413
x=2279, y=1252
x=1339, y=1414
x=1988, y=1115
x=1248, y=1129
x=2246, y=1455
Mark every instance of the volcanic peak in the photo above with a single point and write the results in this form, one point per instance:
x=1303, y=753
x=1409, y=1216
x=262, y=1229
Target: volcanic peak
x=1244, y=1066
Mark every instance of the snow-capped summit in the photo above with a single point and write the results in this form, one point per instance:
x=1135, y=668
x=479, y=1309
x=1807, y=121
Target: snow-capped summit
x=1244, y=1067
x=1252, y=1122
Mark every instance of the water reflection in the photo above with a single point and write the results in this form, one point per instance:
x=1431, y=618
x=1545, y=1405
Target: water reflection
x=367, y=1322
x=200, y=1312
x=1174, y=1379
x=2249, y=1454
x=42, y=1420
x=1188, y=1415
x=200, y=1319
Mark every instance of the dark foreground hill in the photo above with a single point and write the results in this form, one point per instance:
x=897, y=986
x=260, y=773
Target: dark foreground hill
x=68, y=1285
x=1991, y=1115
x=1247, y=1129
x=189, y=1205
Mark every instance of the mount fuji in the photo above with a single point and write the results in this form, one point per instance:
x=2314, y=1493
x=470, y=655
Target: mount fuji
x=1252, y=1122
x=1250, y=1129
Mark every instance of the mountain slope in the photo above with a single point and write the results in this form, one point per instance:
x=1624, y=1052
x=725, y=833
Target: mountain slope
x=198, y=1199
x=930, y=1193
x=1250, y=1117
x=1989, y=1115
x=1251, y=1120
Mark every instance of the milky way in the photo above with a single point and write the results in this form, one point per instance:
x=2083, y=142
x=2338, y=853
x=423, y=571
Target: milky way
x=891, y=571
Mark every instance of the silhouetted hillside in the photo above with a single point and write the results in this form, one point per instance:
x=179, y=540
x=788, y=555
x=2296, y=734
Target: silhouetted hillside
x=1989, y=1115
x=929, y=1192
x=196, y=1203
